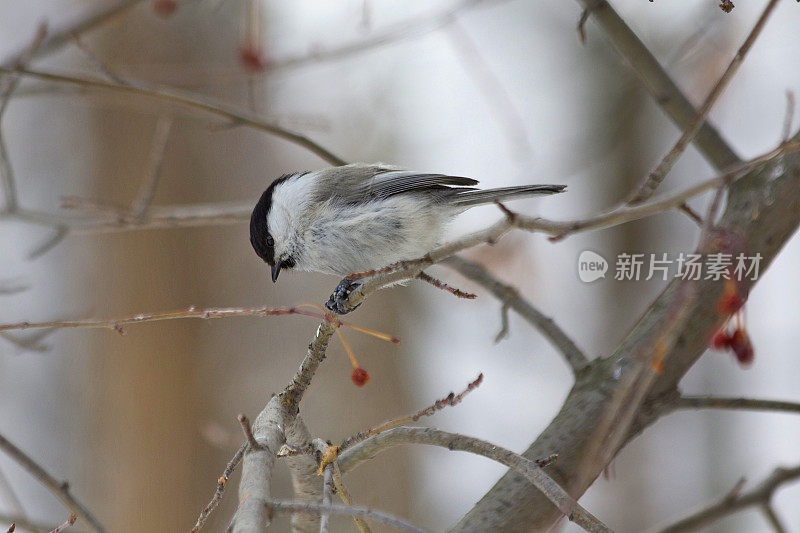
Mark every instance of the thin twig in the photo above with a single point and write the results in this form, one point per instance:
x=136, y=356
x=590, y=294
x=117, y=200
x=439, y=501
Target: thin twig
x=25, y=523
x=658, y=83
x=191, y=312
x=558, y=230
x=59, y=37
x=500, y=104
x=450, y=400
x=445, y=287
x=189, y=101
x=58, y=488
x=222, y=482
x=67, y=523
x=12, y=80
x=152, y=173
x=789, y=117
x=327, y=492
x=94, y=60
x=655, y=178
x=368, y=448
x=760, y=495
x=511, y=298
x=748, y=404
x=414, y=27
x=248, y=432
x=772, y=518
x=344, y=495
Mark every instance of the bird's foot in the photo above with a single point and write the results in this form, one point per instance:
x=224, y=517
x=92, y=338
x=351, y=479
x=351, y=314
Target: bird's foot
x=339, y=301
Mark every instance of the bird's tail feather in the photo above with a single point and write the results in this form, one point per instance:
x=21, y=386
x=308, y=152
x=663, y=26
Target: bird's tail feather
x=487, y=196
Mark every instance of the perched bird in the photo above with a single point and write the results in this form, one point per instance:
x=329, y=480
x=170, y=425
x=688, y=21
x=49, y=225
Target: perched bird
x=360, y=217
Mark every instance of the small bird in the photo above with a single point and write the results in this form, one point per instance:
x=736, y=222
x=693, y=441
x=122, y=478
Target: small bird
x=360, y=217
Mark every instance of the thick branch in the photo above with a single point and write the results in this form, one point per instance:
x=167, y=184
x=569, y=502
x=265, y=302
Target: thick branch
x=370, y=447
x=60, y=489
x=763, y=211
x=511, y=298
x=306, y=483
x=355, y=511
x=254, y=514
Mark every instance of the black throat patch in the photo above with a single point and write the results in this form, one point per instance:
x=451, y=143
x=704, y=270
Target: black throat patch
x=259, y=229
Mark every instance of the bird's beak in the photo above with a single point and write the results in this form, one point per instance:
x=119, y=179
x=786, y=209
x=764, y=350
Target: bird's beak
x=276, y=269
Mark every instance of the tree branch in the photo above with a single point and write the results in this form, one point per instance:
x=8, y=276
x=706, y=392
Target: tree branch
x=188, y=101
x=62, y=36
x=511, y=298
x=655, y=178
x=373, y=280
x=749, y=404
x=761, y=495
x=370, y=447
x=763, y=211
x=659, y=83
x=60, y=489
x=355, y=511
x=221, y=484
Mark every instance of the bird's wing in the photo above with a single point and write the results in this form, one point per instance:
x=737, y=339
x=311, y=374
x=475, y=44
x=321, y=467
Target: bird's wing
x=359, y=183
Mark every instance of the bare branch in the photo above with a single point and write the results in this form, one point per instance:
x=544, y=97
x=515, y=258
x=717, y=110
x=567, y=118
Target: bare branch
x=303, y=470
x=655, y=178
x=221, y=484
x=772, y=518
x=188, y=101
x=763, y=208
x=327, y=492
x=500, y=104
x=450, y=400
x=24, y=523
x=658, y=83
x=749, y=404
x=360, y=512
x=445, y=287
x=12, y=80
x=254, y=512
x=293, y=393
x=374, y=280
x=62, y=36
x=60, y=489
x=511, y=298
x=192, y=312
x=368, y=448
x=152, y=173
x=761, y=495
x=344, y=495
x=69, y=521
x=408, y=29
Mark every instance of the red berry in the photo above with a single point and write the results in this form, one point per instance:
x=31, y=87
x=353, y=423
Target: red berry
x=252, y=59
x=359, y=376
x=742, y=348
x=165, y=8
x=721, y=340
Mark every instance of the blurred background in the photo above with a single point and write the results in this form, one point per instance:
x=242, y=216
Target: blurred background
x=503, y=91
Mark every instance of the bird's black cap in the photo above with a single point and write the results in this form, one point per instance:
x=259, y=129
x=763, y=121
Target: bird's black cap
x=260, y=238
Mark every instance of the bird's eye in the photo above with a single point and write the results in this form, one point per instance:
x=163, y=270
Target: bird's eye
x=270, y=241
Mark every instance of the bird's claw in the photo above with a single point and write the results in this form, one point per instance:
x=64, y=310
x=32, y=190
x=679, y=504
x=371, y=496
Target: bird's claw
x=339, y=301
